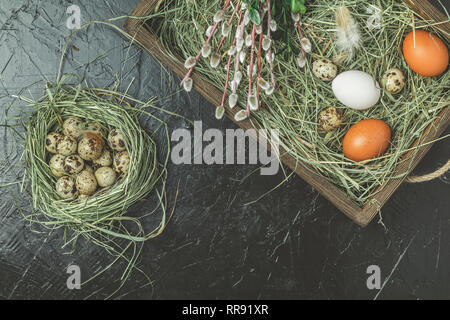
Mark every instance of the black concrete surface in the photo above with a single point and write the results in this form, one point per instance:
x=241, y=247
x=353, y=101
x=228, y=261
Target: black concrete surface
x=221, y=244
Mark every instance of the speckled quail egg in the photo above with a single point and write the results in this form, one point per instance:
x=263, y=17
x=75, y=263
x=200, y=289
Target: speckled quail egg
x=393, y=81
x=72, y=127
x=56, y=165
x=105, y=176
x=324, y=69
x=73, y=164
x=52, y=141
x=330, y=119
x=105, y=159
x=97, y=128
x=90, y=147
x=86, y=183
x=66, y=146
x=88, y=168
x=83, y=197
x=121, y=162
x=116, y=140
x=65, y=188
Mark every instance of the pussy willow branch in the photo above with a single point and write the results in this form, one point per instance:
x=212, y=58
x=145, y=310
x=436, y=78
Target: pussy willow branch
x=237, y=61
x=259, y=58
x=213, y=31
x=250, y=71
x=229, y=22
x=230, y=59
x=269, y=23
x=300, y=36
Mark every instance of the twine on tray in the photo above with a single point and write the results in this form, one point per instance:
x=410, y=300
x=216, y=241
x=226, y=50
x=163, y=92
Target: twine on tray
x=430, y=176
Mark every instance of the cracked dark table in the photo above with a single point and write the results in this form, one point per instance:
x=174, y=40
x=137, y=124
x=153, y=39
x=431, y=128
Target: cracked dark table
x=230, y=238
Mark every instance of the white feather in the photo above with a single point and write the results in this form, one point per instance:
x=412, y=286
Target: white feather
x=348, y=36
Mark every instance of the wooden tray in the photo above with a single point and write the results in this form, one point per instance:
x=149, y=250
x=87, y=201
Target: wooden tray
x=361, y=215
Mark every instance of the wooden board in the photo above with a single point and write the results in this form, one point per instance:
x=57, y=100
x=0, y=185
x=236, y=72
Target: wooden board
x=429, y=12
x=361, y=215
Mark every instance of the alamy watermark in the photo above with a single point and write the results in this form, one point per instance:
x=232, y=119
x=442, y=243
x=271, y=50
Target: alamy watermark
x=374, y=280
x=227, y=148
x=74, y=19
x=74, y=280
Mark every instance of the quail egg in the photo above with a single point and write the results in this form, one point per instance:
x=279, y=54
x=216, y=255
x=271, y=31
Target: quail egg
x=105, y=176
x=52, y=141
x=90, y=147
x=56, y=165
x=116, y=140
x=72, y=127
x=86, y=183
x=324, y=69
x=83, y=197
x=73, y=164
x=96, y=128
x=394, y=81
x=66, y=146
x=329, y=119
x=65, y=188
x=88, y=168
x=121, y=162
x=105, y=159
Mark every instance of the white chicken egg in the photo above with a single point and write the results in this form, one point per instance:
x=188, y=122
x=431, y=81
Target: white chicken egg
x=356, y=89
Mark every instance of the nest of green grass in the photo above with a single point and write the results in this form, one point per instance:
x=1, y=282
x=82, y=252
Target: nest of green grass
x=294, y=107
x=101, y=218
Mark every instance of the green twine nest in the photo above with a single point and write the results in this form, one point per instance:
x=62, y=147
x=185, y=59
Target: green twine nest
x=100, y=218
x=295, y=106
